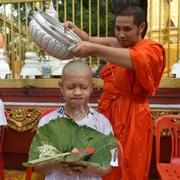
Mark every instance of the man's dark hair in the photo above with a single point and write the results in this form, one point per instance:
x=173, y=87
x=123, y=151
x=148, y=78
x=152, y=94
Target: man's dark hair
x=135, y=11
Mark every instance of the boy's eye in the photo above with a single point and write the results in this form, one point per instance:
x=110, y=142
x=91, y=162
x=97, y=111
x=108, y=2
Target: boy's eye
x=84, y=87
x=71, y=87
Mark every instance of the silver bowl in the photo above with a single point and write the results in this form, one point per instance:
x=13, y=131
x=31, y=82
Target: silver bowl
x=48, y=33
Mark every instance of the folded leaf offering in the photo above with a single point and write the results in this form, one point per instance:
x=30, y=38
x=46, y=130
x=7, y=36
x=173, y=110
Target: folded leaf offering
x=63, y=140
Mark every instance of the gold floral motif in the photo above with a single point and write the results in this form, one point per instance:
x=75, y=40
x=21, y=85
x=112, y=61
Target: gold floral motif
x=26, y=118
x=23, y=118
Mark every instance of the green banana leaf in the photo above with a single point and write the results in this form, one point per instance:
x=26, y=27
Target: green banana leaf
x=65, y=135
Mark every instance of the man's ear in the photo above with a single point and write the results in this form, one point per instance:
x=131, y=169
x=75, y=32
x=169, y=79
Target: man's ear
x=142, y=26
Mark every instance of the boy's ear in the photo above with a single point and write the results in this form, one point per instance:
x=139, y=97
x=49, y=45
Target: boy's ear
x=92, y=87
x=60, y=84
x=60, y=87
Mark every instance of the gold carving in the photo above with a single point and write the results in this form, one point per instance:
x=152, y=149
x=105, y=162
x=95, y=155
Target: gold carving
x=23, y=118
x=26, y=118
x=161, y=112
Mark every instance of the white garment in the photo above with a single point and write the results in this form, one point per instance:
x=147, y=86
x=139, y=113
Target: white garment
x=94, y=120
x=3, y=121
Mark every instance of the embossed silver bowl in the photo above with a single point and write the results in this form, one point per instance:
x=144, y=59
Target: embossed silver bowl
x=48, y=33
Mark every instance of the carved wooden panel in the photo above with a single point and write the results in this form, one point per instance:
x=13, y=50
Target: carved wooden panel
x=24, y=118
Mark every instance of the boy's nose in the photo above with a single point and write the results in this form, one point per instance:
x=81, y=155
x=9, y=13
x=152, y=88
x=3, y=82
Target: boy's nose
x=77, y=91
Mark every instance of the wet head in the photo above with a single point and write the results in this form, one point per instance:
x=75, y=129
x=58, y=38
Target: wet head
x=76, y=85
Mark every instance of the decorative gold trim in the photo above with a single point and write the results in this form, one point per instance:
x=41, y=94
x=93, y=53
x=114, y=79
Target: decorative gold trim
x=25, y=118
x=161, y=112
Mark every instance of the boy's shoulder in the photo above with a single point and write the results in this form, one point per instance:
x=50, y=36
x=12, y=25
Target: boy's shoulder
x=100, y=117
x=50, y=115
x=101, y=123
x=96, y=113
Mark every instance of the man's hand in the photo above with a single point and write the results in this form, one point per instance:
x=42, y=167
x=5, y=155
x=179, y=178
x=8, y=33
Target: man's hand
x=82, y=34
x=70, y=25
x=84, y=49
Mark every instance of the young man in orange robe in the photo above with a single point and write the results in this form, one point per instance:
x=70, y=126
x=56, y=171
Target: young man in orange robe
x=133, y=72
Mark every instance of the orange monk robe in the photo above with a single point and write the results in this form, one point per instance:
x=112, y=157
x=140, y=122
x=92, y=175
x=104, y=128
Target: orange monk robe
x=124, y=103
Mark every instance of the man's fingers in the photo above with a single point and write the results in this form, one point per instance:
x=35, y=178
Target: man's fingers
x=68, y=25
x=72, y=47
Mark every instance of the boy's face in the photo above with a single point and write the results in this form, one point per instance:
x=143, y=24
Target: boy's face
x=126, y=32
x=76, y=89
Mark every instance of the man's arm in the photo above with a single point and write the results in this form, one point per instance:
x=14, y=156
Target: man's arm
x=101, y=47
x=107, y=41
x=118, y=56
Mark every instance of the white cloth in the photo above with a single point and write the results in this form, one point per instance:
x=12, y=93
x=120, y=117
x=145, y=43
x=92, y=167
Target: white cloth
x=176, y=69
x=3, y=120
x=94, y=120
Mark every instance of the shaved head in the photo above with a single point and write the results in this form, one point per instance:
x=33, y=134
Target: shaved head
x=76, y=87
x=76, y=67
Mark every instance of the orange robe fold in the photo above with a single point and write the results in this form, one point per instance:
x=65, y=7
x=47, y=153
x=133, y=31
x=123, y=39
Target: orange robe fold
x=124, y=103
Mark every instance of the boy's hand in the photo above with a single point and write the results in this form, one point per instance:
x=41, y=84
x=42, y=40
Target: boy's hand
x=71, y=169
x=94, y=171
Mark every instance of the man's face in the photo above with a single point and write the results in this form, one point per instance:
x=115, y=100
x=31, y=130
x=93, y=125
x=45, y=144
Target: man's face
x=76, y=89
x=126, y=32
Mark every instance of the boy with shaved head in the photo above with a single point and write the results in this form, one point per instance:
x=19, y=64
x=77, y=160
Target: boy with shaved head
x=76, y=87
